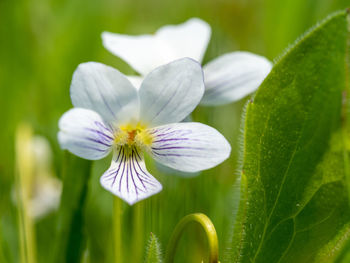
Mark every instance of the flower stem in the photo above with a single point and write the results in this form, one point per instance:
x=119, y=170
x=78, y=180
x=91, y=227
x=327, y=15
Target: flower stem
x=209, y=230
x=138, y=232
x=23, y=178
x=117, y=229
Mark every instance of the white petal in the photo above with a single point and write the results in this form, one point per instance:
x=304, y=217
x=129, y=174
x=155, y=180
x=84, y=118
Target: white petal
x=105, y=90
x=189, y=39
x=233, y=76
x=84, y=133
x=170, y=171
x=171, y=92
x=146, y=52
x=128, y=178
x=136, y=81
x=143, y=53
x=189, y=147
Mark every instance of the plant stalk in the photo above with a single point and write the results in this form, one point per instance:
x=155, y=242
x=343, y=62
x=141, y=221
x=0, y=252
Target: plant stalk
x=138, y=232
x=23, y=180
x=209, y=230
x=117, y=229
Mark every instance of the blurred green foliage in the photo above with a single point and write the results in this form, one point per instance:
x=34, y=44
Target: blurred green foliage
x=41, y=44
x=71, y=238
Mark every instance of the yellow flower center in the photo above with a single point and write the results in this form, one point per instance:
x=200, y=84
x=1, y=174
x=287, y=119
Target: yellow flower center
x=133, y=135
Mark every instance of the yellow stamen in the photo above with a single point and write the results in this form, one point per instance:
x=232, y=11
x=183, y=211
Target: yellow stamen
x=144, y=137
x=120, y=138
x=133, y=135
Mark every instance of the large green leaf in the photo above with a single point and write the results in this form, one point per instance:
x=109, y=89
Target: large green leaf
x=337, y=250
x=294, y=193
x=70, y=226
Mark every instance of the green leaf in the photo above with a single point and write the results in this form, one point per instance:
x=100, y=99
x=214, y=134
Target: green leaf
x=153, y=252
x=342, y=256
x=345, y=256
x=337, y=248
x=294, y=192
x=70, y=226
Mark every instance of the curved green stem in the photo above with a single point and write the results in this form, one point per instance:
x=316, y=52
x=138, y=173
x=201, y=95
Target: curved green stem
x=209, y=230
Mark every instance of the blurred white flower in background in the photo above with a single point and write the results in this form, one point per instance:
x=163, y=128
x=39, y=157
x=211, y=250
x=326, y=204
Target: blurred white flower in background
x=40, y=190
x=46, y=191
x=228, y=78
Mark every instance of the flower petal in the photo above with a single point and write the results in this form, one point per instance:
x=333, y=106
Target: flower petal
x=105, y=90
x=83, y=133
x=189, y=39
x=146, y=52
x=136, y=81
x=128, y=178
x=233, y=76
x=171, y=92
x=143, y=52
x=170, y=171
x=189, y=147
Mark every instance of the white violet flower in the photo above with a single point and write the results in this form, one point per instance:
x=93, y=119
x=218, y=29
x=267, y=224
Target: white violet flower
x=111, y=115
x=228, y=78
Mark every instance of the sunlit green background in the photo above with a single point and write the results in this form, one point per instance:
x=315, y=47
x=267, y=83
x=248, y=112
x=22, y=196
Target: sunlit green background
x=41, y=44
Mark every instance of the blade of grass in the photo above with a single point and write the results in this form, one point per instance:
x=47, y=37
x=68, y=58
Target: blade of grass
x=23, y=180
x=71, y=223
x=138, y=232
x=117, y=229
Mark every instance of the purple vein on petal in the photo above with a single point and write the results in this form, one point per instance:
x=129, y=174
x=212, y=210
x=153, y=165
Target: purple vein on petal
x=110, y=173
x=107, y=105
x=120, y=150
x=102, y=130
x=83, y=145
x=122, y=175
x=117, y=171
x=127, y=174
x=98, y=141
x=128, y=178
x=132, y=178
x=100, y=133
x=179, y=133
x=159, y=129
x=141, y=177
x=137, y=174
x=178, y=148
x=171, y=139
x=138, y=155
x=174, y=154
x=165, y=104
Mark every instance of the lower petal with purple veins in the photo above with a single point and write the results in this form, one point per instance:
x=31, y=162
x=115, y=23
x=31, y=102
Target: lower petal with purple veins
x=128, y=178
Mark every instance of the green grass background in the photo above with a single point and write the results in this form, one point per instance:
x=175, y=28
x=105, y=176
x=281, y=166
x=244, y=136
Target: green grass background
x=41, y=44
